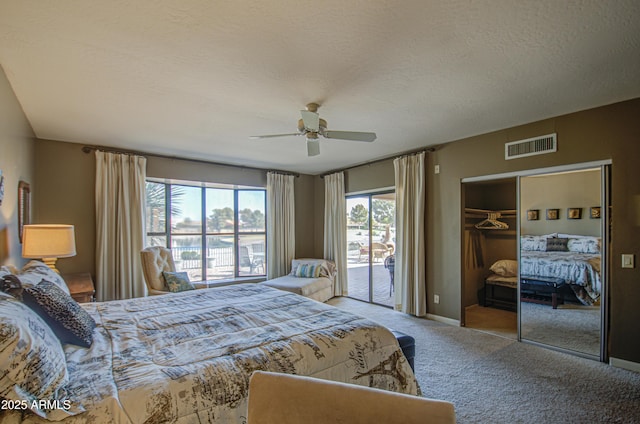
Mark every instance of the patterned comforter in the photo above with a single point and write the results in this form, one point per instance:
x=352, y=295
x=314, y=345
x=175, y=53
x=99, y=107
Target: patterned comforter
x=187, y=357
x=580, y=270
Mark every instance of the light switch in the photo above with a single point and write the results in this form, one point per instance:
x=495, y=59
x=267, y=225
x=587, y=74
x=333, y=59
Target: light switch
x=628, y=260
x=436, y=169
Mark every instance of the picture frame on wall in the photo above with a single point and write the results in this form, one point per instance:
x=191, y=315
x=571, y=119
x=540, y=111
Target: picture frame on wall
x=553, y=214
x=595, y=212
x=574, y=213
x=533, y=214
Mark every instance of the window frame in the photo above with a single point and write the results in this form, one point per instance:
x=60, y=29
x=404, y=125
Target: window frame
x=237, y=233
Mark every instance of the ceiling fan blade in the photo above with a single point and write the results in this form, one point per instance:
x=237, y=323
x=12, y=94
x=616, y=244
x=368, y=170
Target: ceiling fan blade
x=311, y=120
x=350, y=135
x=255, y=137
x=313, y=147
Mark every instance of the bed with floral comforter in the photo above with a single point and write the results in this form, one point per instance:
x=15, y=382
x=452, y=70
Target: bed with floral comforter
x=187, y=357
x=581, y=271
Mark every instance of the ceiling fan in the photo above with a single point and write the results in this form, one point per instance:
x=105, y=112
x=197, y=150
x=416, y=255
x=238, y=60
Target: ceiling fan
x=311, y=125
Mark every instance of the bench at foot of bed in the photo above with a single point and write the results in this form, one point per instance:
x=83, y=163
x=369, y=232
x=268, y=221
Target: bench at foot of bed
x=538, y=290
x=408, y=345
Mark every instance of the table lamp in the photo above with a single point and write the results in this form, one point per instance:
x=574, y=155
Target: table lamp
x=48, y=242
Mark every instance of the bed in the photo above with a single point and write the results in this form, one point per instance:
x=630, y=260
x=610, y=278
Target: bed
x=187, y=357
x=563, y=260
x=579, y=271
x=551, y=267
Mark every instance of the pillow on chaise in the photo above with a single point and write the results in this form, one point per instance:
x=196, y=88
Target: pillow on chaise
x=308, y=271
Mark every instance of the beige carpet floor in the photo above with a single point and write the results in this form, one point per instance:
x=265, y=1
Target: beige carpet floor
x=495, y=379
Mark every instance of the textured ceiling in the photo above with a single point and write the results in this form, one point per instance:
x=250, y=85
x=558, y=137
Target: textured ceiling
x=196, y=78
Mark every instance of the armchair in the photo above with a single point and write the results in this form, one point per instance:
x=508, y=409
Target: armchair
x=155, y=260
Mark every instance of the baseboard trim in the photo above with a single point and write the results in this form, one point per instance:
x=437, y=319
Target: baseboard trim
x=627, y=365
x=444, y=320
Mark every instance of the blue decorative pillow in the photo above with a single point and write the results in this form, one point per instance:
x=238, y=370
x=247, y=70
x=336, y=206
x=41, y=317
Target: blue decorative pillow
x=65, y=316
x=177, y=281
x=307, y=271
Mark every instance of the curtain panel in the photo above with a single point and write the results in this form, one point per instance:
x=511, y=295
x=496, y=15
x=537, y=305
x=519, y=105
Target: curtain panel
x=409, y=273
x=120, y=225
x=335, y=229
x=281, y=234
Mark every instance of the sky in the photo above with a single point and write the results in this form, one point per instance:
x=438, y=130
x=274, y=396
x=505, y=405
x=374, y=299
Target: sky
x=218, y=198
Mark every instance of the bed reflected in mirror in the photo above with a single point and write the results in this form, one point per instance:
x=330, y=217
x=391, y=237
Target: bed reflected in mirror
x=560, y=261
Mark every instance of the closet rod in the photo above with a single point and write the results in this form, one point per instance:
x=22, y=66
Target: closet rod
x=89, y=149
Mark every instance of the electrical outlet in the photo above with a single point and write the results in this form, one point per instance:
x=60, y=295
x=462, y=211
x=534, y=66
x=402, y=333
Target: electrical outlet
x=436, y=298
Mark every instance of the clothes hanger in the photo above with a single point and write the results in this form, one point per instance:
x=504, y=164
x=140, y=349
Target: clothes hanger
x=492, y=223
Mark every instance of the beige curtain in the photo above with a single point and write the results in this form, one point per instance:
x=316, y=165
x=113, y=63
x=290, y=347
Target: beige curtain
x=120, y=225
x=281, y=234
x=335, y=229
x=410, y=281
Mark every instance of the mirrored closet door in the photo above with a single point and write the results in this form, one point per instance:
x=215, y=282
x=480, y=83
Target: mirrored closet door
x=562, y=259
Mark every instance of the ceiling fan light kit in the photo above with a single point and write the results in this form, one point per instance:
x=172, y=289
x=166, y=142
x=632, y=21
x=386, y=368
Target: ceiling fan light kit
x=311, y=125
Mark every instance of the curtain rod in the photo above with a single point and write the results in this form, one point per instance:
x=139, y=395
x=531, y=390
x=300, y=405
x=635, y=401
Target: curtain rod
x=395, y=156
x=89, y=149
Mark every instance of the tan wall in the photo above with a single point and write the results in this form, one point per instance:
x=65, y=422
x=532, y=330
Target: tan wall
x=16, y=164
x=65, y=194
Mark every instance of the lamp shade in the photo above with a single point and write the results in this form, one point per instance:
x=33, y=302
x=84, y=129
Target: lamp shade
x=48, y=241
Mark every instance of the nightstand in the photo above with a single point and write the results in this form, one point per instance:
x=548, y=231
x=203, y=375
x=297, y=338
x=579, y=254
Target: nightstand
x=80, y=286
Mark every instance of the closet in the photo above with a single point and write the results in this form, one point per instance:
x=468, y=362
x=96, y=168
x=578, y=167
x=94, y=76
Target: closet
x=490, y=235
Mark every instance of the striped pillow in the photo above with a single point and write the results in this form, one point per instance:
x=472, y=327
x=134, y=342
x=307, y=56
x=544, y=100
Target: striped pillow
x=307, y=271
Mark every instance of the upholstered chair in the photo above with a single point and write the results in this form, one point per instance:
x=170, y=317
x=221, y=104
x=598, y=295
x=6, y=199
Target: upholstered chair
x=286, y=399
x=155, y=260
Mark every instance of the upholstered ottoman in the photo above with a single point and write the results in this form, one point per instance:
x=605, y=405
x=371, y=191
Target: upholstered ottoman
x=408, y=346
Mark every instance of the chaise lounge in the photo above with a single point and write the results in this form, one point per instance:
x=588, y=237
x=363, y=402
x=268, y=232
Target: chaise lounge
x=312, y=278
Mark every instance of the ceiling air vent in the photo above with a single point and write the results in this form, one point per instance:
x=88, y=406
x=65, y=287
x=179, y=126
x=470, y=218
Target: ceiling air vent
x=531, y=146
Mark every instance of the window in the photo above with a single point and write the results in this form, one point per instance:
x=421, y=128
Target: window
x=214, y=233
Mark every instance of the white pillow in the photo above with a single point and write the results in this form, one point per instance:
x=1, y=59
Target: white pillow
x=32, y=362
x=505, y=268
x=533, y=243
x=584, y=245
x=35, y=271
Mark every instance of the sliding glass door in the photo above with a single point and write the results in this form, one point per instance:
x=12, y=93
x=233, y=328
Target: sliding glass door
x=370, y=247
